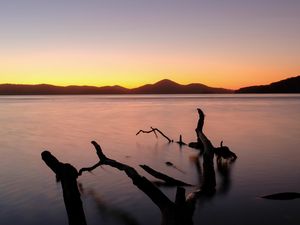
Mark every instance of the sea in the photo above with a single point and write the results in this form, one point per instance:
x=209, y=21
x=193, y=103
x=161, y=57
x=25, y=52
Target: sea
x=262, y=129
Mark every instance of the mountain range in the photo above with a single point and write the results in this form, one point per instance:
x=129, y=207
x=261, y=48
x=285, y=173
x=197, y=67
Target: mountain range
x=290, y=85
x=162, y=87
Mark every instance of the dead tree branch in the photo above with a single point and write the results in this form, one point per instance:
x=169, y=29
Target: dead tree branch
x=180, y=142
x=203, y=142
x=209, y=177
x=89, y=169
x=68, y=177
x=173, y=213
x=154, y=130
x=164, y=177
x=142, y=183
x=283, y=196
x=177, y=213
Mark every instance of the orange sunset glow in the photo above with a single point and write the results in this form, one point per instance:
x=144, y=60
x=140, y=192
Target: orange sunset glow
x=131, y=46
x=131, y=69
x=149, y=112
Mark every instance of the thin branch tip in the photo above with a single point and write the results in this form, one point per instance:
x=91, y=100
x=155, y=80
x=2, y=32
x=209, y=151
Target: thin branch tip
x=154, y=130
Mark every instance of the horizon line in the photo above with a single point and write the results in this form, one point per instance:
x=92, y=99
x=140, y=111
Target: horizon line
x=129, y=88
x=114, y=85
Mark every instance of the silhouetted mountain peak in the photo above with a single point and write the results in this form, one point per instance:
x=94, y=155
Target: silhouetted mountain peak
x=166, y=82
x=167, y=86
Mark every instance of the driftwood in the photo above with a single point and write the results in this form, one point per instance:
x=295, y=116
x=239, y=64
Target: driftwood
x=154, y=130
x=222, y=152
x=178, y=212
x=283, y=196
x=209, y=177
x=67, y=174
x=199, y=144
x=180, y=142
x=88, y=169
x=196, y=145
x=169, y=180
x=141, y=182
x=173, y=213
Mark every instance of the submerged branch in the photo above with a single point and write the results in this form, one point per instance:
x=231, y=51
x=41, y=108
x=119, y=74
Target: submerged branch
x=169, y=180
x=160, y=199
x=283, y=196
x=180, y=142
x=154, y=130
x=67, y=174
x=209, y=177
x=88, y=169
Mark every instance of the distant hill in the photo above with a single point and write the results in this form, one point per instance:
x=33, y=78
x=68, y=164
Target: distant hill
x=161, y=87
x=290, y=85
x=46, y=89
x=170, y=87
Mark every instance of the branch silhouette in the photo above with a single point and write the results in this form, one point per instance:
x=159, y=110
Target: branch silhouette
x=154, y=130
x=67, y=174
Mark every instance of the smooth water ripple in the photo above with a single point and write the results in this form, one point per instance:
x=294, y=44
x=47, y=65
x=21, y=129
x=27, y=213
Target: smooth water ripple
x=263, y=130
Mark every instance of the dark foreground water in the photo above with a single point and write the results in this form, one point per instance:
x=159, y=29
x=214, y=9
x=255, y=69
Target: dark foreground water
x=264, y=131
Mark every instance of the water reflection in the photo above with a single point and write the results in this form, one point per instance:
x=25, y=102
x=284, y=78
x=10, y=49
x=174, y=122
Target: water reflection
x=265, y=141
x=105, y=209
x=224, y=168
x=180, y=211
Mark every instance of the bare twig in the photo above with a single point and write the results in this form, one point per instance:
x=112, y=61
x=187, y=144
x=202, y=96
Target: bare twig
x=147, y=132
x=89, y=169
x=154, y=130
x=180, y=142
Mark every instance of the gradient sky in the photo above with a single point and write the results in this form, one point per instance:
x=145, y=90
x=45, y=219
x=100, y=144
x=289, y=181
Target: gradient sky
x=228, y=43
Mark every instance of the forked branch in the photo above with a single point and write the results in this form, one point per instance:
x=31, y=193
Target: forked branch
x=161, y=200
x=154, y=130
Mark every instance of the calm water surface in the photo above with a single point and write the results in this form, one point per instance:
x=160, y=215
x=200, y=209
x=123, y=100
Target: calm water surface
x=263, y=130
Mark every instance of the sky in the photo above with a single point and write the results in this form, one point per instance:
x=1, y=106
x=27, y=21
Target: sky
x=220, y=43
